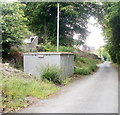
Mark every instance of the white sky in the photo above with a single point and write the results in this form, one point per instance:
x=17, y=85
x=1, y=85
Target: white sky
x=95, y=38
x=8, y=0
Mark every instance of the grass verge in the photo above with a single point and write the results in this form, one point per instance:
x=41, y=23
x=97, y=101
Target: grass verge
x=16, y=89
x=85, y=66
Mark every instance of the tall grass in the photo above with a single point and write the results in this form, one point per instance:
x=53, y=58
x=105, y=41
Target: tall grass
x=16, y=89
x=84, y=66
x=53, y=74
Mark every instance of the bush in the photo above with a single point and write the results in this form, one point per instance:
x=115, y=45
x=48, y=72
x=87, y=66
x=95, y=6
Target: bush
x=52, y=74
x=51, y=48
x=93, y=67
x=66, y=49
x=47, y=48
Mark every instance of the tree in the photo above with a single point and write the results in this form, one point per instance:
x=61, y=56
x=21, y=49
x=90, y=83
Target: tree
x=104, y=53
x=73, y=19
x=111, y=28
x=13, y=22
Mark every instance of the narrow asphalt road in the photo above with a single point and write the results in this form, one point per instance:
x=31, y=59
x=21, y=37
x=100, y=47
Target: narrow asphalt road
x=97, y=93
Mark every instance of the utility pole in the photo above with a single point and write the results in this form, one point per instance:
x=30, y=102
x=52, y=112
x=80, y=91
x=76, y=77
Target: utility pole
x=57, y=27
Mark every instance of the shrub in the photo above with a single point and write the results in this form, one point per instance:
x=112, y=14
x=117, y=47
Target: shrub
x=93, y=67
x=66, y=49
x=51, y=48
x=15, y=58
x=52, y=74
x=47, y=48
x=18, y=65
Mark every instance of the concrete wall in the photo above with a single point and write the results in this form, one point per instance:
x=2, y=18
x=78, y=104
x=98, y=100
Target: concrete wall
x=31, y=46
x=67, y=64
x=35, y=62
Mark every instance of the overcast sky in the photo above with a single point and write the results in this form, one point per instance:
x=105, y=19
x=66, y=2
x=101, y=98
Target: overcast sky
x=95, y=38
x=8, y=0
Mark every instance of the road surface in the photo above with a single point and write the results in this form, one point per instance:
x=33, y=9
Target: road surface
x=97, y=93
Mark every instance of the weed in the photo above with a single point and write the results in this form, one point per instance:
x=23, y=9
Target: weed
x=52, y=74
x=67, y=81
x=18, y=64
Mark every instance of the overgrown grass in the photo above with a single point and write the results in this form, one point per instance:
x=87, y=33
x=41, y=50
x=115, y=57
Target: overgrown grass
x=67, y=81
x=84, y=66
x=82, y=71
x=52, y=74
x=16, y=89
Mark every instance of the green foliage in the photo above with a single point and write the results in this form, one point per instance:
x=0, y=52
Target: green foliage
x=73, y=19
x=103, y=51
x=83, y=60
x=52, y=74
x=48, y=47
x=16, y=57
x=82, y=71
x=13, y=22
x=66, y=49
x=111, y=27
x=18, y=64
x=84, y=66
x=42, y=17
x=51, y=48
x=66, y=81
x=16, y=89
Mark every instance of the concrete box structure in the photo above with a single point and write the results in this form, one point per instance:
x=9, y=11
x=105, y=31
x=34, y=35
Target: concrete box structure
x=35, y=62
x=30, y=43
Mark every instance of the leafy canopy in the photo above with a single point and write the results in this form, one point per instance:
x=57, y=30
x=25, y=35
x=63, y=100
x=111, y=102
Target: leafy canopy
x=111, y=28
x=73, y=19
x=13, y=22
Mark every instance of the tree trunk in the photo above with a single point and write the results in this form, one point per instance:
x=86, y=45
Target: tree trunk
x=45, y=30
